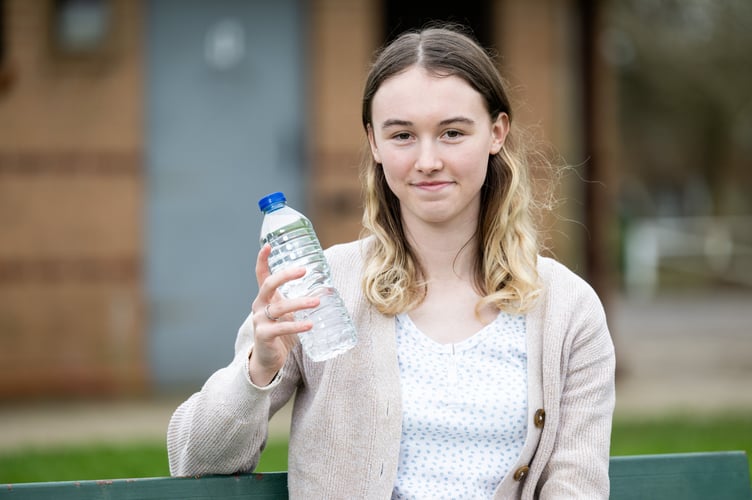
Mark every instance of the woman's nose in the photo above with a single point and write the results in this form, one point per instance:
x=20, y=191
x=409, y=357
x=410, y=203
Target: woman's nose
x=428, y=158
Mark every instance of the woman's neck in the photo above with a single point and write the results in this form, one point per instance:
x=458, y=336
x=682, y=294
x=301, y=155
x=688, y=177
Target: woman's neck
x=448, y=312
x=444, y=254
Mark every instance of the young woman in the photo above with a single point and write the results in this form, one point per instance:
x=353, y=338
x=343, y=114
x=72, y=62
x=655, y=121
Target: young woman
x=482, y=370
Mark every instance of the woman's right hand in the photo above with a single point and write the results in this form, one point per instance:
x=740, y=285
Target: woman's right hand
x=274, y=325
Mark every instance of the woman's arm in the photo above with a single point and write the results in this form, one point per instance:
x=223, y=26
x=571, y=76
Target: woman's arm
x=223, y=428
x=578, y=466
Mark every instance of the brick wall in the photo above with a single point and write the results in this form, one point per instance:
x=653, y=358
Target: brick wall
x=344, y=36
x=71, y=201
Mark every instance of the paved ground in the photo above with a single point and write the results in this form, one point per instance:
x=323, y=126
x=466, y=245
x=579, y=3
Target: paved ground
x=683, y=353
x=688, y=353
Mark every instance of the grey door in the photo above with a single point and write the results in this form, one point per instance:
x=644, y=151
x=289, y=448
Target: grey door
x=225, y=115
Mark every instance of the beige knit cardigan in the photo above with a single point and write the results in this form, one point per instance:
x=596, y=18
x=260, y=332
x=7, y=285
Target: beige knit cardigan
x=346, y=422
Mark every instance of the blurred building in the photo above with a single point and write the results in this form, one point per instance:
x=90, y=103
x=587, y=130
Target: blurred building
x=137, y=135
x=72, y=316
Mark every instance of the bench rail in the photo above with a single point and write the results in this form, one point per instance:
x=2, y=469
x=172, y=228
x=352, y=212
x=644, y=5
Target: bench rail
x=689, y=476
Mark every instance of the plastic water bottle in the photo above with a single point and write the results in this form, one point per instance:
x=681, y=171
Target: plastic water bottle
x=295, y=244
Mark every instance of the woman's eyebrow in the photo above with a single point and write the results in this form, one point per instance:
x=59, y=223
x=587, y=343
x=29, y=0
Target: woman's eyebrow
x=395, y=122
x=457, y=119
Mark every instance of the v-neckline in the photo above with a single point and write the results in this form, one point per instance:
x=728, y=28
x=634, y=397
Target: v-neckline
x=412, y=330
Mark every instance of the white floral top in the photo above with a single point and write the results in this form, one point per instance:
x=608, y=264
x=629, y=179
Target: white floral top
x=464, y=410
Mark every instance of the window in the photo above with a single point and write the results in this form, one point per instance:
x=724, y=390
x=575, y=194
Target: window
x=81, y=27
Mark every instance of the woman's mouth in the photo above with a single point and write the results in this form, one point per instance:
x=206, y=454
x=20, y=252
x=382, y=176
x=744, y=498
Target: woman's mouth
x=432, y=185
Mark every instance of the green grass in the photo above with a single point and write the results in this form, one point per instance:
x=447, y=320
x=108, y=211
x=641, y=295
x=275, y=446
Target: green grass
x=672, y=434
x=113, y=461
x=70, y=463
x=679, y=434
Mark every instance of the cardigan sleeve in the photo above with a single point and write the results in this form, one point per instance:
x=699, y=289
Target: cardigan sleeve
x=578, y=465
x=222, y=429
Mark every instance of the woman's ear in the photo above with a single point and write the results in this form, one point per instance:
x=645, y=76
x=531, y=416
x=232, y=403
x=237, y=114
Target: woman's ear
x=499, y=131
x=372, y=143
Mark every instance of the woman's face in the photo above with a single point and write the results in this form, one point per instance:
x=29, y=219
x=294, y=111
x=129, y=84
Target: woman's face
x=433, y=135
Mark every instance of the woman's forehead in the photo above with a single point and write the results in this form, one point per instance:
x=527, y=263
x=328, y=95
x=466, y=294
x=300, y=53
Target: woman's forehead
x=419, y=91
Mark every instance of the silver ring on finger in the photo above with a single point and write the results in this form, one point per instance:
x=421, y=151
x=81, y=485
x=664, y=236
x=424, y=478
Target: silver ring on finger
x=268, y=314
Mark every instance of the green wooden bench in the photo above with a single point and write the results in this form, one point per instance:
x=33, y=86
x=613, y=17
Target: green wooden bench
x=686, y=476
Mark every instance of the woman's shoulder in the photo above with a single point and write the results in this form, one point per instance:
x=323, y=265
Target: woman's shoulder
x=568, y=299
x=350, y=252
x=558, y=279
x=552, y=270
x=346, y=263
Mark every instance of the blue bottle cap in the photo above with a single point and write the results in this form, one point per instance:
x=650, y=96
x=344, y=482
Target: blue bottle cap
x=271, y=199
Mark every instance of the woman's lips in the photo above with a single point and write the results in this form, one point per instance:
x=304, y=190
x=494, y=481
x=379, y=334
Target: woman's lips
x=432, y=185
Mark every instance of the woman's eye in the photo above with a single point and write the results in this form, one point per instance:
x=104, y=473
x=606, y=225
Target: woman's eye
x=402, y=136
x=453, y=134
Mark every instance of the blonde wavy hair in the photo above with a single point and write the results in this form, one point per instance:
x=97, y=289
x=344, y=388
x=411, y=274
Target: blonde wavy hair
x=505, y=272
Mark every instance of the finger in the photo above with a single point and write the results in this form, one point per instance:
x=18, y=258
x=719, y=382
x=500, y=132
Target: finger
x=262, y=263
x=272, y=330
x=266, y=332
x=263, y=273
x=268, y=287
x=285, y=309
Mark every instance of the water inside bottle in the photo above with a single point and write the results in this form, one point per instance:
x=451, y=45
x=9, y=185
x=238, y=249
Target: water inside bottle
x=333, y=332
x=297, y=245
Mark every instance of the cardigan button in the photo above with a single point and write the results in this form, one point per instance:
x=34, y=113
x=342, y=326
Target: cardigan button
x=521, y=473
x=540, y=418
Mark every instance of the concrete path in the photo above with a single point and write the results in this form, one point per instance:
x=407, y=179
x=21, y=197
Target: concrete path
x=689, y=353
